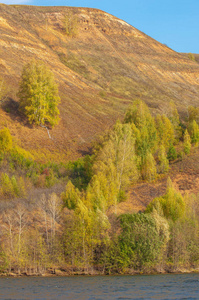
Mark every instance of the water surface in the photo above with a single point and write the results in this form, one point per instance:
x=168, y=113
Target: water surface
x=183, y=286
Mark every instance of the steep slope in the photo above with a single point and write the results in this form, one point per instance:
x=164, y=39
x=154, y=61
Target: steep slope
x=192, y=56
x=184, y=174
x=100, y=71
x=196, y=57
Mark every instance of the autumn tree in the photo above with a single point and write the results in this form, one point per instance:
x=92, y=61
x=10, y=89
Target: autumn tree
x=85, y=230
x=38, y=94
x=172, y=114
x=71, y=196
x=43, y=207
x=5, y=140
x=145, y=134
x=51, y=209
x=193, y=114
x=6, y=189
x=187, y=142
x=71, y=24
x=163, y=161
x=139, y=115
x=191, y=56
x=115, y=167
x=103, y=190
x=172, y=203
x=194, y=132
x=165, y=131
x=15, y=224
x=148, y=169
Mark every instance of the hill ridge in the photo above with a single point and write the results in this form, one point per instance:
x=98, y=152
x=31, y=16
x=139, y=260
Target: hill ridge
x=100, y=71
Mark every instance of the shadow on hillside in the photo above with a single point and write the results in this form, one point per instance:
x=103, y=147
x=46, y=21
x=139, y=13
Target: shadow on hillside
x=85, y=152
x=11, y=107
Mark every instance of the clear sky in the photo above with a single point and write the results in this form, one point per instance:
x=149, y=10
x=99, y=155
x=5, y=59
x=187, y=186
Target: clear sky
x=171, y=22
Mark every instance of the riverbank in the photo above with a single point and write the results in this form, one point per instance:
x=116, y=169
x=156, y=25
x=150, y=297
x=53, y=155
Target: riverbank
x=65, y=273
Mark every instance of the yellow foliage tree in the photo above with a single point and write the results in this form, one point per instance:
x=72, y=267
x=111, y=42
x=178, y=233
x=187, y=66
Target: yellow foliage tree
x=5, y=140
x=71, y=24
x=117, y=161
x=163, y=161
x=148, y=170
x=38, y=94
x=187, y=142
x=165, y=131
x=139, y=114
x=71, y=196
x=194, y=132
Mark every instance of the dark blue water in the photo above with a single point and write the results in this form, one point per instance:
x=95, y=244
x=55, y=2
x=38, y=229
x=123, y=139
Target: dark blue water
x=185, y=286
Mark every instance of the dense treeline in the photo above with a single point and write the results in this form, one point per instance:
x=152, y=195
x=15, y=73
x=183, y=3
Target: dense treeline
x=58, y=216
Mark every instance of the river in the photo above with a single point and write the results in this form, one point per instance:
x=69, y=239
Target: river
x=172, y=286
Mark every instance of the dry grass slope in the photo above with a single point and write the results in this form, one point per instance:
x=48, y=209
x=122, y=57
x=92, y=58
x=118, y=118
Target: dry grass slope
x=100, y=71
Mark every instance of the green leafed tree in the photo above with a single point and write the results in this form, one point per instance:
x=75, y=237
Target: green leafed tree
x=141, y=239
x=171, y=154
x=38, y=94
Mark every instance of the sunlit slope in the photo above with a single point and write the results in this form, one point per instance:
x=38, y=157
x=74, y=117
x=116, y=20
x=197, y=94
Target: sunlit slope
x=100, y=71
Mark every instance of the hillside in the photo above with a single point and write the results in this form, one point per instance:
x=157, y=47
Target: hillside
x=192, y=56
x=184, y=175
x=132, y=206
x=100, y=71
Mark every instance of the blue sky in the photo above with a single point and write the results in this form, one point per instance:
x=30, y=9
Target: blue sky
x=172, y=22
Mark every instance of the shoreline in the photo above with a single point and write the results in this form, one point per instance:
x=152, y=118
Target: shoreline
x=59, y=273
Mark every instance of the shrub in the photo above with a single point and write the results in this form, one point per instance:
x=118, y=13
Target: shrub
x=20, y=158
x=172, y=203
x=5, y=140
x=7, y=188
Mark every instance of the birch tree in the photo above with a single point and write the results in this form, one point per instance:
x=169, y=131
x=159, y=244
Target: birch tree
x=38, y=94
x=115, y=167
